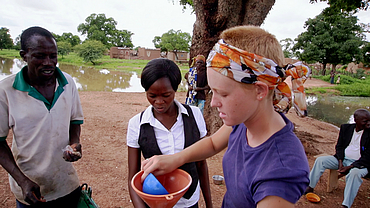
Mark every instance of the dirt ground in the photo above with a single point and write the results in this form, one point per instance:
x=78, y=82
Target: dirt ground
x=104, y=162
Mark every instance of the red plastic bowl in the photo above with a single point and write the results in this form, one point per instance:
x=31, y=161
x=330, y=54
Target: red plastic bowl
x=176, y=183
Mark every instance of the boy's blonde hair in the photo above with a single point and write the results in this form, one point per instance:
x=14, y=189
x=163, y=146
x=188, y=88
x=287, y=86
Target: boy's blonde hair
x=254, y=40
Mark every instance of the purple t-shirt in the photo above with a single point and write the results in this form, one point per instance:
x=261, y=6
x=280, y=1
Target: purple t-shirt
x=278, y=167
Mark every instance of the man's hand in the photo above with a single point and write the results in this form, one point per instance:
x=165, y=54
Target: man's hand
x=31, y=192
x=340, y=165
x=72, y=152
x=344, y=170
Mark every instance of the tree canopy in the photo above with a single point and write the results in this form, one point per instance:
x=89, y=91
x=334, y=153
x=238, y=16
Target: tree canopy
x=99, y=27
x=345, y=5
x=6, y=41
x=173, y=41
x=334, y=39
x=70, y=38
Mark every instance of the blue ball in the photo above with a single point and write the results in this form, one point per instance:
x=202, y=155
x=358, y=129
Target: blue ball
x=152, y=186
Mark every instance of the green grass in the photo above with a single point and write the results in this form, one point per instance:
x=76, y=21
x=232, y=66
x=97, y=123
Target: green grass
x=9, y=53
x=322, y=91
x=349, y=86
x=133, y=65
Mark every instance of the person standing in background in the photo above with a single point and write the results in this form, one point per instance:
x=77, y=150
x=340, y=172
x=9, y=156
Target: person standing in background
x=197, y=83
x=338, y=80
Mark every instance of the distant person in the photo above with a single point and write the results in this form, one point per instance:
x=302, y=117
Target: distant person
x=332, y=75
x=265, y=164
x=338, y=80
x=197, y=83
x=167, y=127
x=352, y=157
x=42, y=107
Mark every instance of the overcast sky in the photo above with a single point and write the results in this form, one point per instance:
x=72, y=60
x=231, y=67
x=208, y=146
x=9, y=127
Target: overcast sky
x=144, y=18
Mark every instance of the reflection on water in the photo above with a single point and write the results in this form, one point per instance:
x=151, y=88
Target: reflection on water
x=10, y=66
x=90, y=79
x=86, y=78
x=135, y=85
x=336, y=110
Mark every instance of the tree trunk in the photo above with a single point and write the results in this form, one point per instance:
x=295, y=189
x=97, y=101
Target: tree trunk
x=324, y=69
x=214, y=16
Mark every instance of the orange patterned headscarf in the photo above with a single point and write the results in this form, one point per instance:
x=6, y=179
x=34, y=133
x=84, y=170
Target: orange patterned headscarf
x=249, y=68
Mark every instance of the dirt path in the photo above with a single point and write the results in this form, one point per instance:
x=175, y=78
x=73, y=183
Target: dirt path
x=104, y=162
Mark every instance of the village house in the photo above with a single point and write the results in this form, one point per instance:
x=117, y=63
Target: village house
x=147, y=54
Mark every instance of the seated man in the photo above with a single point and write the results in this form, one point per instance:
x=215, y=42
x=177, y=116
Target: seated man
x=352, y=157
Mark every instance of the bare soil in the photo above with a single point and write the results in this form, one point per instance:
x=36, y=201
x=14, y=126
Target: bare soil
x=104, y=162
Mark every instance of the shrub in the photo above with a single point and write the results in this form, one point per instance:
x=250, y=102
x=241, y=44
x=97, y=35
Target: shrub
x=90, y=50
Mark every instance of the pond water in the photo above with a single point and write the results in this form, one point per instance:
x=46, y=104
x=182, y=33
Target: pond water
x=87, y=78
x=335, y=110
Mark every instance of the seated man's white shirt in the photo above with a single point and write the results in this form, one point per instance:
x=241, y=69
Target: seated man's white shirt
x=353, y=149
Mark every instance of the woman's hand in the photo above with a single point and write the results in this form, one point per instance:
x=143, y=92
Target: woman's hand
x=160, y=164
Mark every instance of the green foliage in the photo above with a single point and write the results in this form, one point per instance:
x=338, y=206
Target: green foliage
x=356, y=89
x=64, y=48
x=100, y=28
x=185, y=3
x=287, y=45
x=69, y=37
x=11, y=53
x=90, y=50
x=6, y=41
x=346, y=5
x=122, y=38
x=342, y=69
x=334, y=39
x=175, y=41
x=349, y=86
x=366, y=53
x=322, y=90
x=360, y=73
x=17, y=43
x=344, y=79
